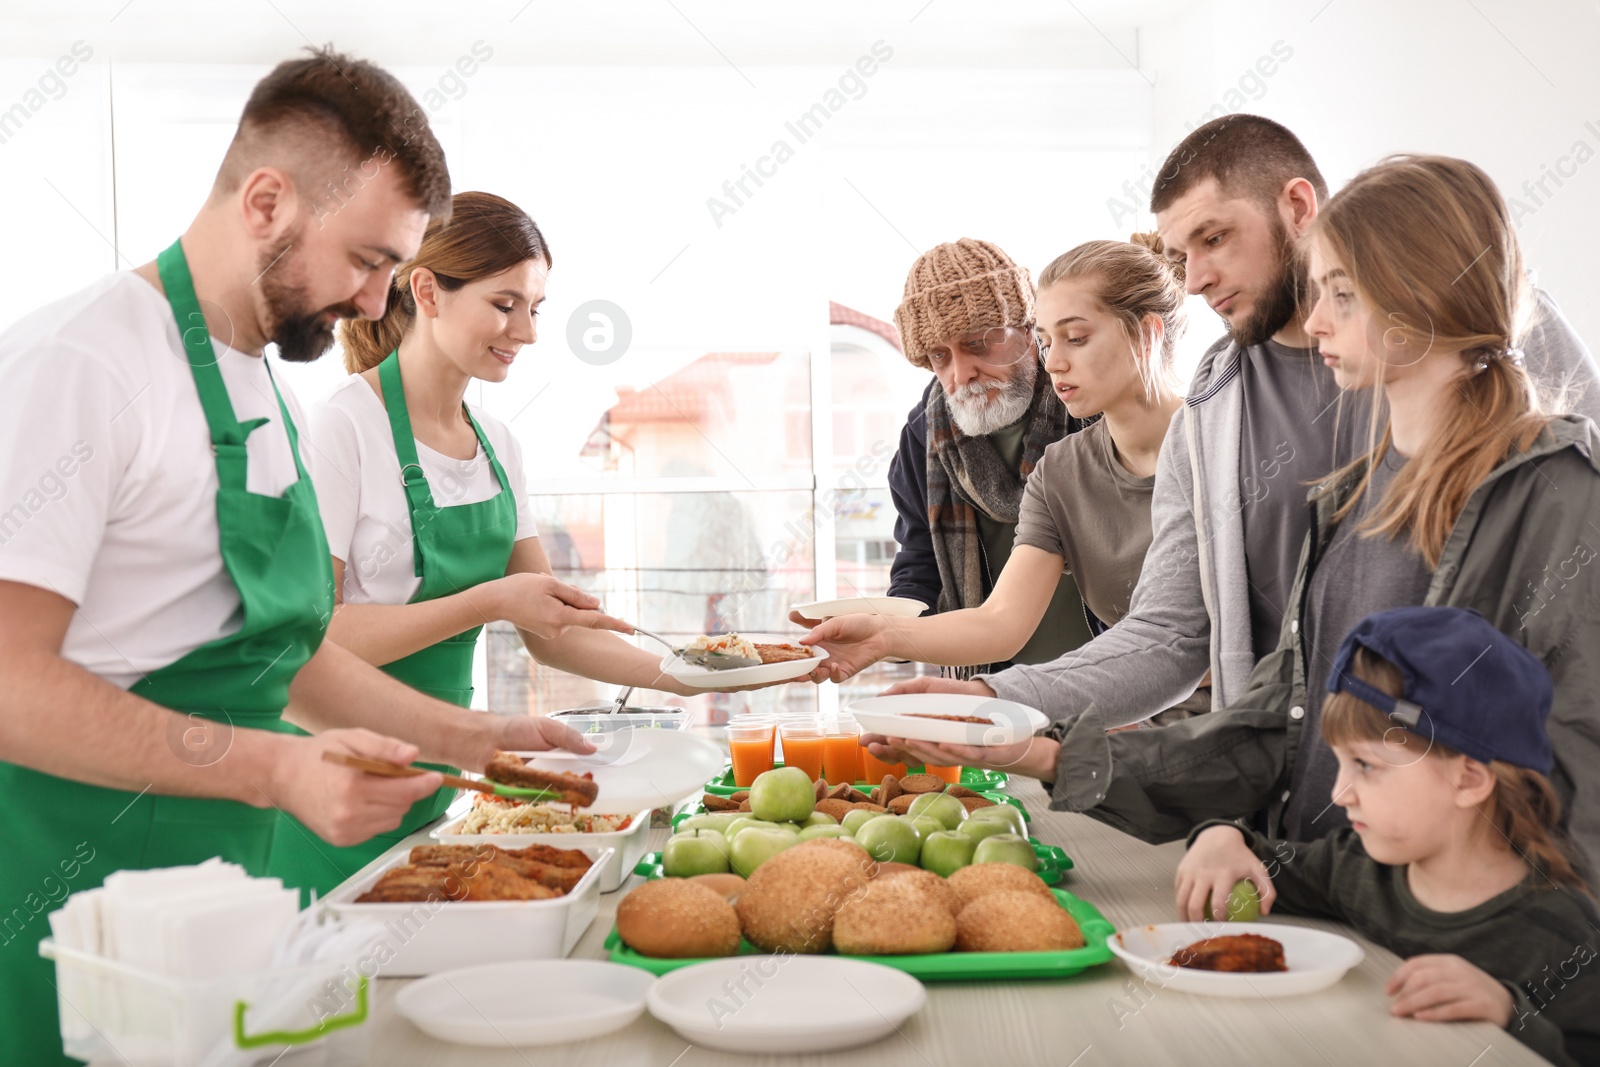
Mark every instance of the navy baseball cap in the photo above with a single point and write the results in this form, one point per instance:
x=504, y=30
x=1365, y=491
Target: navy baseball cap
x=1467, y=685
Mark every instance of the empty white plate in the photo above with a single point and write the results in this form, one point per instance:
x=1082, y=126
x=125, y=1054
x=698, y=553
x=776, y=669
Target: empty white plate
x=762, y=674
x=785, y=1004
x=1005, y=721
x=528, y=1002
x=1316, y=959
x=639, y=768
x=899, y=606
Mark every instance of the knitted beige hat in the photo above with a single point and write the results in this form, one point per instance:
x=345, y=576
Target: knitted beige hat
x=958, y=288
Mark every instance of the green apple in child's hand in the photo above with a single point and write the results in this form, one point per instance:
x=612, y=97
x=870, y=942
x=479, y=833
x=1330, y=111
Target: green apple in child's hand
x=854, y=820
x=755, y=846
x=946, y=852
x=696, y=852
x=1244, y=903
x=786, y=793
x=1006, y=848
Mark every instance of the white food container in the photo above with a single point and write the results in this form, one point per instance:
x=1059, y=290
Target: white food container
x=309, y=1015
x=426, y=937
x=629, y=845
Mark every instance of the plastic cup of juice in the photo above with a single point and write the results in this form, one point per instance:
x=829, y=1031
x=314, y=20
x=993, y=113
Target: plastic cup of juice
x=949, y=774
x=802, y=745
x=750, y=746
x=873, y=769
x=841, y=752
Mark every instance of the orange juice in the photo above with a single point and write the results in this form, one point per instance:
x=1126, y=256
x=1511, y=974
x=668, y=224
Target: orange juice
x=949, y=774
x=804, y=750
x=841, y=758
x=873, y=769
x=752, y=756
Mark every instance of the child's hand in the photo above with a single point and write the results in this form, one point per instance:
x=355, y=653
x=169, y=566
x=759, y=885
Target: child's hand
x=1217, y=859
x=1447, y=989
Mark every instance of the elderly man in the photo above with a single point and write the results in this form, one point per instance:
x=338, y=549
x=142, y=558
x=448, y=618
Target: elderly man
x=969, y=444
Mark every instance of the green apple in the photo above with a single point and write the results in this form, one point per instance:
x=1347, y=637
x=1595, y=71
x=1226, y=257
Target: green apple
x=1004, y=848
x=1244, y=903
x=854, y=820
x=891, y=840
x=754, y=846
x=786, y=793
x=818, y=818
x=978, y=829
x=1007, y=815
x=811, y=833
x=696, y=852
x=717, y=821
x=942, y=806
x=946, y=852
x=927, y=824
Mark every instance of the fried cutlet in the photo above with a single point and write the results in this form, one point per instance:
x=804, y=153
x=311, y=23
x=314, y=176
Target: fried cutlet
x=783, y=653
x=1246, y=953
x=507, y=768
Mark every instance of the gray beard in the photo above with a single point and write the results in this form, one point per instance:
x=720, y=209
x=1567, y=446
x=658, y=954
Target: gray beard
x=979, y=411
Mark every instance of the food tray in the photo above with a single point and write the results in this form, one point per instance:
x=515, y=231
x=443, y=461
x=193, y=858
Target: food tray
x=628, y=845
x=427, y=937
x=977, y=779
x=948, y=966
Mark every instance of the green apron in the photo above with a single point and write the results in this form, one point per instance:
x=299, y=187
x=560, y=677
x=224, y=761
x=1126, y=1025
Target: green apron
x=456, y=548
x=67, y=836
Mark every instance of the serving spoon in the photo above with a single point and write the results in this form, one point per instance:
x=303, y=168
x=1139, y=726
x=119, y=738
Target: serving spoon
x=711, y=661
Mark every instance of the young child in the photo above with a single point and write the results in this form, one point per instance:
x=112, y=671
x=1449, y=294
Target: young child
x=1452, y=859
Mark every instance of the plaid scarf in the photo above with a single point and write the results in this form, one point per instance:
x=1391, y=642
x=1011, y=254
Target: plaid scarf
x=966, y=474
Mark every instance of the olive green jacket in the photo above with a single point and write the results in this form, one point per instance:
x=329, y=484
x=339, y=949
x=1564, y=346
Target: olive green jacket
x=1522, y=553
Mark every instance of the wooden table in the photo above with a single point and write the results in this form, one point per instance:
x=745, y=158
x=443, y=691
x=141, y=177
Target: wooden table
x=1103, y=1016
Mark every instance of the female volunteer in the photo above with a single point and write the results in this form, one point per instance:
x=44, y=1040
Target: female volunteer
x=422, y=496
x=1110, y=314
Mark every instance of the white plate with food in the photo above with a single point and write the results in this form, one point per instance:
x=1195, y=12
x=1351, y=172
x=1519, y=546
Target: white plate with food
x=634, y=769
x=948, y=718
x=505, y=822
x=799, y=1003
x=901, y=607
x=783, y=659
x=1286, y=960
x=526, y=1002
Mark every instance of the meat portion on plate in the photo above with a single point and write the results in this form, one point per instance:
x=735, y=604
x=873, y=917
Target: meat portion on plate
x=1237, y=953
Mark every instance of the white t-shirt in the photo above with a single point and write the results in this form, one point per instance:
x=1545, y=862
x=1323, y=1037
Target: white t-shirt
x=107, y=480
x=363, y=500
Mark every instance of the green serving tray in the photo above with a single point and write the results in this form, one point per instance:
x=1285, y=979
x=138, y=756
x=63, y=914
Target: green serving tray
x=1053, y=862
x=975, y=778
x=948, y=966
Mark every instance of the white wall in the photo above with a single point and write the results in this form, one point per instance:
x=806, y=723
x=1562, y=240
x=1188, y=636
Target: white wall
x=1512, y=86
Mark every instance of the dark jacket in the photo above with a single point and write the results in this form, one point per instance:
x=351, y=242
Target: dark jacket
x=1523, y=553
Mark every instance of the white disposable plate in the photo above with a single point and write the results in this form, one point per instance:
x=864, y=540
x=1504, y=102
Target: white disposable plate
x=785, y=1004
x=1316, y=959
x=898, y=606
x=528, y=1002
x=705, y=678
x=898, y=716
x=639, y=768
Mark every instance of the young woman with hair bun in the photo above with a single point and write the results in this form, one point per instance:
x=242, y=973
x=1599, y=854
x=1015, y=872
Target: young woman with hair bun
x=423, y=496
x=1109, y=315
